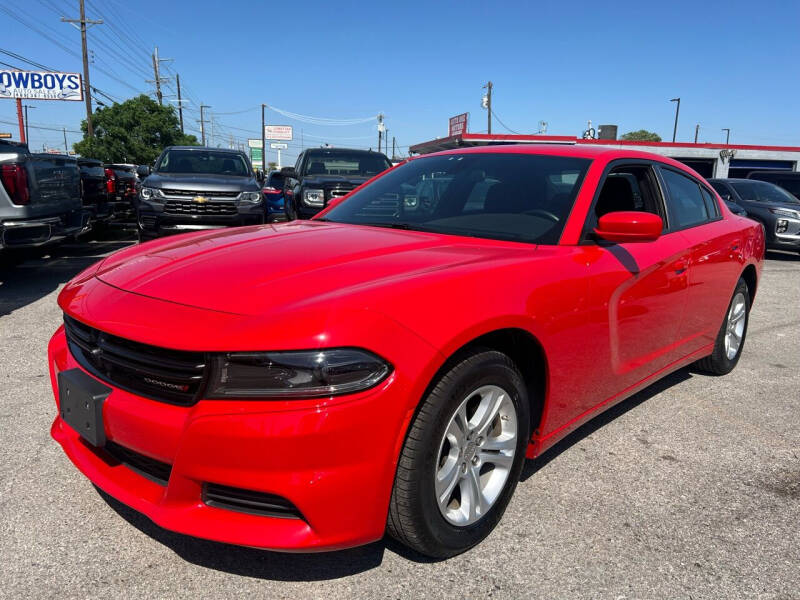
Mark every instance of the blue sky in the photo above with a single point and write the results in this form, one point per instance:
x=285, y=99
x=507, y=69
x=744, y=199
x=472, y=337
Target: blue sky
x=734, y=64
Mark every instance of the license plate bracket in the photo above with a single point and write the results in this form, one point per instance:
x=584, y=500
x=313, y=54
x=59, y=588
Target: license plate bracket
x=81, y=399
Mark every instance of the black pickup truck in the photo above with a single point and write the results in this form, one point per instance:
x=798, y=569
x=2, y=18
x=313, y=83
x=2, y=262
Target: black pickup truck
x=322, y=174
x=95, y=192
x=193, y=188
x=40, y=198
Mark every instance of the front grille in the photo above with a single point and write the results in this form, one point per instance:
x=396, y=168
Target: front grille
x=189, y=207
x=193, y=193
x=338, y=190
x=249, y=501
x=147, y=467
x=173, y=376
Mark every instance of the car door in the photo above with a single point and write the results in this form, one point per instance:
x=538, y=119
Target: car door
x=715, y=249
x=638, y=290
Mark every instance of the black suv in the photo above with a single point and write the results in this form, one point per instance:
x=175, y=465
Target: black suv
x=94, y=192
x=322, y=174
x=772, y=206
x=193, y=188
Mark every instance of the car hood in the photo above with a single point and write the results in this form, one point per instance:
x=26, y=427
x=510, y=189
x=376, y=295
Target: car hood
x=199, y=182
x=263, y=269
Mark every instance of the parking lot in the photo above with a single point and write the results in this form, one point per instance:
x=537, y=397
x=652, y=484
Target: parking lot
x=689, y=489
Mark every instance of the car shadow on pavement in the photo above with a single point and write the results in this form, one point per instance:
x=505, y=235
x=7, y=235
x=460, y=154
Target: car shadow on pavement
x=784, y=256
x=533, y=466
x=261, y=564
x=25, y=277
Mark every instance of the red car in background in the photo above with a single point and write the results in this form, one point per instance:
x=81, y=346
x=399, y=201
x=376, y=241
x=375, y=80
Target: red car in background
x=390, y=364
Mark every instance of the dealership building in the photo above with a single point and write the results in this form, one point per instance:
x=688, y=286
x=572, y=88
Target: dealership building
x=709, y=160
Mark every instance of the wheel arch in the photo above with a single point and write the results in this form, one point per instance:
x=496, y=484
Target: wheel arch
x=751, y=279
x=527, y=353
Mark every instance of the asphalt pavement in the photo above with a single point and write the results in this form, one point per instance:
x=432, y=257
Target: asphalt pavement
x=690, y=489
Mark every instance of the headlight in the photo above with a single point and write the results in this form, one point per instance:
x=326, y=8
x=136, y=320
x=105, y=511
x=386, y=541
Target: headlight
x=314, y=197
x=250, y=197
x=301, y=374
x=149, y=193
x=786, y=212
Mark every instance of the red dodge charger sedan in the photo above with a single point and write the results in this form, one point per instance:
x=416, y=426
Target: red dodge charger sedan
x=389, y=365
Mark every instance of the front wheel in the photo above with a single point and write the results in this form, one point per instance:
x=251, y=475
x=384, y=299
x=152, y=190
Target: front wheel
x=462, y=457
x=730, y=338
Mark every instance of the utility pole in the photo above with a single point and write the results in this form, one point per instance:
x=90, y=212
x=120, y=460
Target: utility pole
x=27, y=125
x=263, y=138
x=203, y=122
x=696, y=132
x=677, y=111
x=83, y=21
x=180, y=105
x=488, y=87
x=727, y=135
x=380, y=131
x=157, y=73
x=394, y=145
x=22, y=136
x=66, y=148
x=386, y=142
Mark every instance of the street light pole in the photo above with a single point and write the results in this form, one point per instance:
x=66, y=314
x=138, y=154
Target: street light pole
x=27, y=125
x=677, y=111
x=725, y=129
x=263, y=140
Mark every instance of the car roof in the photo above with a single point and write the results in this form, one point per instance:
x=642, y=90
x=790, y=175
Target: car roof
x=572, y=150
x=231, y=150
x=343, y=150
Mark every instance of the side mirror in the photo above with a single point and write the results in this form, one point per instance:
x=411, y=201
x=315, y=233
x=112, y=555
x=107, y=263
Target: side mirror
x=143, y=170
x=629, y=226
x=289, y=172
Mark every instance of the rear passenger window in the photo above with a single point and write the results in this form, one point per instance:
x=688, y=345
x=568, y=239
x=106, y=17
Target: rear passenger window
x=685, y=205
x=711, y=203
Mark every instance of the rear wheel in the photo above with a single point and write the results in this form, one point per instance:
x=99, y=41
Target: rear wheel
x=462, y=458
x=730, y=339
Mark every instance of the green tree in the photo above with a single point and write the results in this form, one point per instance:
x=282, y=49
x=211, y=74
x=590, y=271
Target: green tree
x=642, y=135
x=134, y=131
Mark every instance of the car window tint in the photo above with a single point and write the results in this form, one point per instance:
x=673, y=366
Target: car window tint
x=762, y=191
x=685, y=204
x=494, y=195
x=721, y=188
x=711, y=203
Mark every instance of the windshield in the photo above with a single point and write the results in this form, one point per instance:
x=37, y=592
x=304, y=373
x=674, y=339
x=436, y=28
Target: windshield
x=761, y=191
x=520, y=197
x=340, y=163
x=206, y=162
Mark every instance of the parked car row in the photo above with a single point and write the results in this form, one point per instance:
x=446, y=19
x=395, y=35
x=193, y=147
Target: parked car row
x=45, y=198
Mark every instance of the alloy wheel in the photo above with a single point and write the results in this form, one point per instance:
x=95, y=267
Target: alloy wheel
x=734, y=328
x=476, y=455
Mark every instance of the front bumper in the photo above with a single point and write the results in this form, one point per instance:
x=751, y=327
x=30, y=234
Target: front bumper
x=335, y=463
x=29, y=233
x=153, y=221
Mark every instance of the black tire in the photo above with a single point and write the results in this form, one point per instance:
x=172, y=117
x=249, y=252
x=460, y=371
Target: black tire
x=288, y=209
x=414, y=515
x=718, y=363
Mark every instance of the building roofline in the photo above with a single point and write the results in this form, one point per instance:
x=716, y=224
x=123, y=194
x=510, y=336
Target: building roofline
x=468, y=139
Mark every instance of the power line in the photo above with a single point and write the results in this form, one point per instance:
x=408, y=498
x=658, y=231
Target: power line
x=504, y=125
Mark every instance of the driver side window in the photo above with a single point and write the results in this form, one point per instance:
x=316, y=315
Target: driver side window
x=626, y=188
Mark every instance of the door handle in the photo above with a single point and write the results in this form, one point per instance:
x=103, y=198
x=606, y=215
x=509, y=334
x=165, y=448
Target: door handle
x=681, y=271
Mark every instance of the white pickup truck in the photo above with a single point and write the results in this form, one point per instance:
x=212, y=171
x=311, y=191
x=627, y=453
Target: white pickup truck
x=40, y=198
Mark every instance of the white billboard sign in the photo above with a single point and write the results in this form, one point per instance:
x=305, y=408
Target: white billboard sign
x=40, y=85
x=279, y=146
x=278, y=132
x=255, y=144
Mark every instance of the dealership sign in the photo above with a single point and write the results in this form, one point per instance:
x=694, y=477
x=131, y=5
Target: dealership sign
x=457, y=125
x=40, y=85
x=278, y=132
x=279, y=146
x=255, y=143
